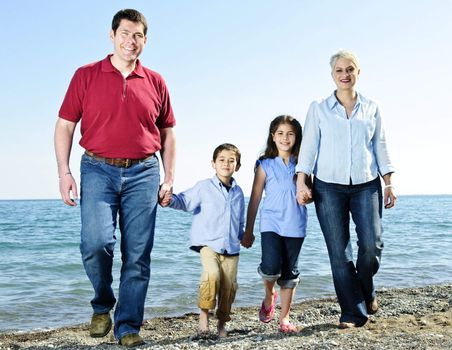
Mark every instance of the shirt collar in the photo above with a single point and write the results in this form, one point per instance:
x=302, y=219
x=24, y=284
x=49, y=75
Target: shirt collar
x=333, y=102
x=218, y=182
x=108, y=67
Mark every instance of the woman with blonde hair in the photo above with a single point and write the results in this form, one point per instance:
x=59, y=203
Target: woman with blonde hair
x=344, y=147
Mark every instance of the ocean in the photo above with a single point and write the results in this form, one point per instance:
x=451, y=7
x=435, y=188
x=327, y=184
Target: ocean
x=43, y=284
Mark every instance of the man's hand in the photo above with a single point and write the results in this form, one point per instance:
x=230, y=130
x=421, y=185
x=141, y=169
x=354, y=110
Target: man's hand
x=165, y=194
x=68, y=186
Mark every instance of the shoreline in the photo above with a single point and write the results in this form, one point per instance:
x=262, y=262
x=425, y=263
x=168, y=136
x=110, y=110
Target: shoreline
x=417, y=317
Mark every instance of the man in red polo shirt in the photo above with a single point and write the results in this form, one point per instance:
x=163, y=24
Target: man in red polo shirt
x=126, y=117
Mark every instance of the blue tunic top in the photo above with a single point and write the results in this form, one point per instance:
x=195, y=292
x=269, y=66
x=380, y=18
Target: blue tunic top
x=280, y=212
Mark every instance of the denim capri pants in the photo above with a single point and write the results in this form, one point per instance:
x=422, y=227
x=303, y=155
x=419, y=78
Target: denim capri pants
x=280, y=259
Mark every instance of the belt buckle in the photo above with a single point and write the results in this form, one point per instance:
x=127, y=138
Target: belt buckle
x=127, y=163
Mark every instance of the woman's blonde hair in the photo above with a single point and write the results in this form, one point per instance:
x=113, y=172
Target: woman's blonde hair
x=344, y=54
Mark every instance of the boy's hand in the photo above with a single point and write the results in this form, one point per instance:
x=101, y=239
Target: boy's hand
x=247, y=239
x=166, y=199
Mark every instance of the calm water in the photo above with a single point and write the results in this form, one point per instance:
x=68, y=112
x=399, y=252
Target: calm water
x=43, y=284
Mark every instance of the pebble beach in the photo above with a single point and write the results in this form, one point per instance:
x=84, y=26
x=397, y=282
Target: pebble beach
x=409, y=318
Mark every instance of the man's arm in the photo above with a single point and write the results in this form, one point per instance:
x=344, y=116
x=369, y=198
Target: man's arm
x=168, y=153
x=64, y=134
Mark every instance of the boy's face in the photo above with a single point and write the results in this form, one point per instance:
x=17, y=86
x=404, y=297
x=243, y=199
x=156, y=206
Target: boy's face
x=225, y=165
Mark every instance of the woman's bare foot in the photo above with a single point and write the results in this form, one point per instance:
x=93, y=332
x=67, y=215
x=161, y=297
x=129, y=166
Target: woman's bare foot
x=345, y=325
x=372, y=306
x=222, y=332
x=203, y=325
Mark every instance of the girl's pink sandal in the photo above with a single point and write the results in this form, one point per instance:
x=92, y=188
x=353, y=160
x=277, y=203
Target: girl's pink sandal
x=266, y=315
x=288, y=328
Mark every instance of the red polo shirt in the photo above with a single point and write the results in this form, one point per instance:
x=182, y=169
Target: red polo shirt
x=120, y=118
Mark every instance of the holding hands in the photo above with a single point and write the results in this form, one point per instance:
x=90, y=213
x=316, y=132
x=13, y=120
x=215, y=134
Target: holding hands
x=304, y=192
x=247, y=239
x=165, y=194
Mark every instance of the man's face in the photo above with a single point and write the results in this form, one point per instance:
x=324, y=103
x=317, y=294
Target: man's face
x=129, y=40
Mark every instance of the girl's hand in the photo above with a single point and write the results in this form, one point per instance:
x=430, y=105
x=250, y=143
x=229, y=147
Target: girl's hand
x=247, y=239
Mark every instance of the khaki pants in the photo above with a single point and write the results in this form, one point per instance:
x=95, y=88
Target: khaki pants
x=219, y=277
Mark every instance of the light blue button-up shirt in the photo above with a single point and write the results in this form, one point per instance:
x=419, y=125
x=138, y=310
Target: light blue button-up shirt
x=218, y=214
x=337, y=149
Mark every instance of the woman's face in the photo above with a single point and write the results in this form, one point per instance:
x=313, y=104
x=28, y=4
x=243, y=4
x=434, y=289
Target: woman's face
x=345, y=74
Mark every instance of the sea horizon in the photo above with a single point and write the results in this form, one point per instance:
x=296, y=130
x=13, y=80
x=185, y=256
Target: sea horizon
x=246, y=197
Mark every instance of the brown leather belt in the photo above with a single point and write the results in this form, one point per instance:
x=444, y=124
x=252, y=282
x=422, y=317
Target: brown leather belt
x=117, y=162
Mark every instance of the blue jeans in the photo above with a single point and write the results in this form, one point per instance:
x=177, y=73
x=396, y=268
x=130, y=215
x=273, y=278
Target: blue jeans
x=280, y=259
x=333, y=203
x=130, y=193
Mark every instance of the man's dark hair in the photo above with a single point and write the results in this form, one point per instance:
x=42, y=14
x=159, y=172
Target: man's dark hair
x=130, y=15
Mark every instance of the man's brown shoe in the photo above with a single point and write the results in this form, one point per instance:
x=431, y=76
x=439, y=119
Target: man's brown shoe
x=130, y=340
x=100, y=325
x=372, y=307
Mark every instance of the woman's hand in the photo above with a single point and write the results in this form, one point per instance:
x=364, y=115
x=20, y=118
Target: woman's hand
x=389, y=197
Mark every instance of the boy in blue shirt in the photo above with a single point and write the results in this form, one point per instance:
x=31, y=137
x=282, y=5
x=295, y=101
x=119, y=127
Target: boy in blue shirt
x=218, y=209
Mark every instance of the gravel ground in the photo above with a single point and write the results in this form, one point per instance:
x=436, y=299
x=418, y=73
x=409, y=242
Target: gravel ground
x=411, y=318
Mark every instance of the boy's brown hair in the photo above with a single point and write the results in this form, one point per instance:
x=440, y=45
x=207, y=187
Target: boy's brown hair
x=227, y=147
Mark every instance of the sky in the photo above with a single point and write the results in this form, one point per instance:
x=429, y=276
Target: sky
x=231, y=67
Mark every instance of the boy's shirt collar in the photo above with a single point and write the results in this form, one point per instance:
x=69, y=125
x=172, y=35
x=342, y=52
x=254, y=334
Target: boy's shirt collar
x=216, y=179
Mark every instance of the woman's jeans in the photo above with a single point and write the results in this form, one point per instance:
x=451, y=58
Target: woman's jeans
x=130, y=193
x=280, y=259
x=353, y=283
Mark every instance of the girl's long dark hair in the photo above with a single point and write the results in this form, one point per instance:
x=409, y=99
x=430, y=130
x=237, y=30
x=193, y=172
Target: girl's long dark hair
x=271, y=151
